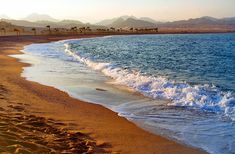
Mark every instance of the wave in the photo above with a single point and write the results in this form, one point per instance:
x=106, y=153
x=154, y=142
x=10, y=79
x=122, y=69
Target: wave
x=205, y=97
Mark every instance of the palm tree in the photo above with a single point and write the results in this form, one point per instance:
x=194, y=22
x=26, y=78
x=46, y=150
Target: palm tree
x=74, y=29
x=4, y=31
x=49, y=28
x=82, y=29
x=34, y=29
x=112, y=28
x=17, y=32
x=56, y=30
x=156, y=29
x=88, y=29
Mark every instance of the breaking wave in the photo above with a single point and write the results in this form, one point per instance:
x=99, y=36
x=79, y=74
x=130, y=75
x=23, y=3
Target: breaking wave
x=206, y=97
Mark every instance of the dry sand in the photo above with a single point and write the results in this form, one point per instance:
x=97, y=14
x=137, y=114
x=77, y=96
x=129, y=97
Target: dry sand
x=35, y=118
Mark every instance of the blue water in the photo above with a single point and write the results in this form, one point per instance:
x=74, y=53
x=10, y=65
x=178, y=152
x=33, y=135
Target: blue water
x=187, y=81
x=196, y=59
x=191, y=70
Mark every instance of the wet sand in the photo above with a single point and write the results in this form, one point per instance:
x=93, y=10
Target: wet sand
x=41, y=119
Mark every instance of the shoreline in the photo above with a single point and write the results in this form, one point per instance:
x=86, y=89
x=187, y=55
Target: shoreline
x=123, y=33
x=92, y=119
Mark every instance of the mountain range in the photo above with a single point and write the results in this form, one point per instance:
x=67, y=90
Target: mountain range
x=34, y=17
x=128, y=21
x=201, y=22
x=42, y=20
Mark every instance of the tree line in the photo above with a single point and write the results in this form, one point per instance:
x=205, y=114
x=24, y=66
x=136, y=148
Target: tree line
x=48, y=30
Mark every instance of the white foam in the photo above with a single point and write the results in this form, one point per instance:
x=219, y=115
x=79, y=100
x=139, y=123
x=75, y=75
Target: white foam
x=205, y=97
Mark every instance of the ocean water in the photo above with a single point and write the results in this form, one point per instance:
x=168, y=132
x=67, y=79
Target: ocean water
x=179, y=86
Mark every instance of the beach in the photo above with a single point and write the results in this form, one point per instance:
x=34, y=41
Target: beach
x=43, y=119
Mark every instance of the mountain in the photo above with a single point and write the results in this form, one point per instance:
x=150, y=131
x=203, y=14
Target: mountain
x=8, y=26
x=71, y=22
x=130, y=22
x=205, y=22
x=39, y=17
x=117, y=22
x=125, y=17
x=61, y=24
x=228, y=21
x=57, y=24
x=149, y=20
x=5, y=24
x=107, y=22
x=202, y=22
x=138, y=22
x=23, y=23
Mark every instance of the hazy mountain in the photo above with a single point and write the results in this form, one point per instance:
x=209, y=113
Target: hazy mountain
x=125, y=22
x=130, y=22
x=23, y=23
x=228, y=21
x=61, y=24
x=58, y=24
x=8, y=26
x=5, y=24
x=107, y=22
x=117, y=21
x=39, y=17
x=71, y=22
x=149, y=20
x=201, y=22
x=125, y=17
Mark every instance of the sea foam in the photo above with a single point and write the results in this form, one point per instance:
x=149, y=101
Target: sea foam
x=205, y=97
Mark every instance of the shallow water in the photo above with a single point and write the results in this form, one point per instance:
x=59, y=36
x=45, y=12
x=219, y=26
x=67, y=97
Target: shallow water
x=179, y=86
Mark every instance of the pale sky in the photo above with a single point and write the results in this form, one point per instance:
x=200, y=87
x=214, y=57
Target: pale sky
x=95, y=10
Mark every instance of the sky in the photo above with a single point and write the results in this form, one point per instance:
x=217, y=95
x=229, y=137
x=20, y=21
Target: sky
x=95, y=10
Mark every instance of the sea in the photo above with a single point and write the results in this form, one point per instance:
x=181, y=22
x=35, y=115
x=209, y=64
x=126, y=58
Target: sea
x=179, y=86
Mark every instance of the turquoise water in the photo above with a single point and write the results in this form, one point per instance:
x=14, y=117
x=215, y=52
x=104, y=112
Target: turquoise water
x=186, y=81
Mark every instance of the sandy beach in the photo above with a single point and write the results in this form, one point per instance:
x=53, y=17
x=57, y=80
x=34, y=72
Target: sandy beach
x=40, y=119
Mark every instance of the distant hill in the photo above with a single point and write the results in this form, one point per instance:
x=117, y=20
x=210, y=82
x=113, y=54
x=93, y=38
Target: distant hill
x=201, y=23
x=125, y=17
x=23, y=23
x=8, y=26
x=57, y=24
x=127, y=22
x=4, y=24
x=149, y=20
x=108, y=22
x=130, y=22
x=61, y=24
x=39, y=17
